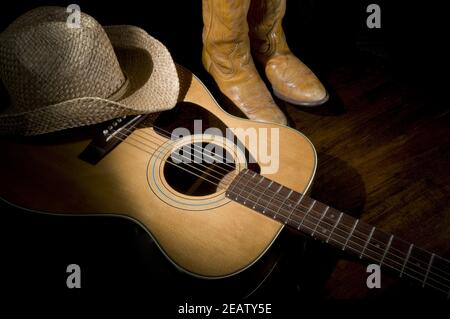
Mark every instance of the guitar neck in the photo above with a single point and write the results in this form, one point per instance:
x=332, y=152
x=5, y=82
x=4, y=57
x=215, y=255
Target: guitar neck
x=340, y=230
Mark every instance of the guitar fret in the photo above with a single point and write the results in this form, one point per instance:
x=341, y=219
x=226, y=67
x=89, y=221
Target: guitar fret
x=428, y=270
x=254, y=188
x=294, y=207
x=320, y=219
x=307, y=212
x=262, y=193
x=236, y=182
x=243, y=187
x=406, y=259
x=284, y=201
x=350, y=235
x=334, y=226
x=273, y=196
x=386, y=250
x=367, y=242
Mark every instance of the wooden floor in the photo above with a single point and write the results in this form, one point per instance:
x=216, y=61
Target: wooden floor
x=384, y=154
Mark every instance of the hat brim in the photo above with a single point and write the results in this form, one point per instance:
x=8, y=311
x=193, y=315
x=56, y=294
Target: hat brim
x=153, y=86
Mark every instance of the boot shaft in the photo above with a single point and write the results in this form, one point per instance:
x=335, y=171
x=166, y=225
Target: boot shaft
x=225, y=34
x=265, y=28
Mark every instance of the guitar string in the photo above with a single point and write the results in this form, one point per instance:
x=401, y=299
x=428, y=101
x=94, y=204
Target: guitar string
x=285, y=216
x=285, y=201
x=174, y=164
x=356, y=231
x=315, y=231
x=349, y=227
x=386, y=263
x=321, y=220
x=161, y=150
x=420, y=261
x=164, y=141
x=160, y=137
x=196, y=150
x=232, y=167
x=194, y=154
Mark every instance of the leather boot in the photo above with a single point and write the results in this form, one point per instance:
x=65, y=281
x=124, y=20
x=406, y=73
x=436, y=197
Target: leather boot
x=291, y=79
x=226, y=56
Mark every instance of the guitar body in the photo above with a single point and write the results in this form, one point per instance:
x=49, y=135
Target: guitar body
x=206, y=235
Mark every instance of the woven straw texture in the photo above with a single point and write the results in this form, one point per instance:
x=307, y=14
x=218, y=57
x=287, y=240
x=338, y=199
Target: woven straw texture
x=59, y=77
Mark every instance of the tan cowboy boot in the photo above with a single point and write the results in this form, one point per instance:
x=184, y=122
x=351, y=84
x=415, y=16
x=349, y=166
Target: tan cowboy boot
x=226, y=56
x=291, y=79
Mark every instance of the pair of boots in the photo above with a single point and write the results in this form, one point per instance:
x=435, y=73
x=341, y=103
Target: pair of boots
x=231, y=27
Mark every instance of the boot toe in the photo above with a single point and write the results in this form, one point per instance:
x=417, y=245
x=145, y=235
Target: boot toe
x=294, y=82
x=269, y=115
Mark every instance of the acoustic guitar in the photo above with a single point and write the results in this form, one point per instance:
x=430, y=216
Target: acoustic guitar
x=211, y=218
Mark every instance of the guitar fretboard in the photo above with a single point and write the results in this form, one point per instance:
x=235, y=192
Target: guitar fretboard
x=340, y=230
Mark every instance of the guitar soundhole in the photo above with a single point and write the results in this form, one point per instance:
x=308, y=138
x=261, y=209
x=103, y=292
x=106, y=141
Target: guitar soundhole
x=198, y=169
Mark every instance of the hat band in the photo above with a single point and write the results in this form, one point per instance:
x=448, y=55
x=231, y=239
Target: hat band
x=121, y=91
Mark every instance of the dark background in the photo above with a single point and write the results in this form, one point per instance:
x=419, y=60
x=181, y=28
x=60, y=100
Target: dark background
x=327, y=35
x=411, y=41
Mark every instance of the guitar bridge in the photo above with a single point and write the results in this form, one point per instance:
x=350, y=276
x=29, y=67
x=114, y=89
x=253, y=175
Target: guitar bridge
x=112, y=134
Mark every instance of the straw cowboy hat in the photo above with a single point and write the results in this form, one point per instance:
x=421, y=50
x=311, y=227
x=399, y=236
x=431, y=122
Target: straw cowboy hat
x=60, y=77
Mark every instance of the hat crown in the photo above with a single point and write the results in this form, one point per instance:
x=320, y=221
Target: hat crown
x=45, y=61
